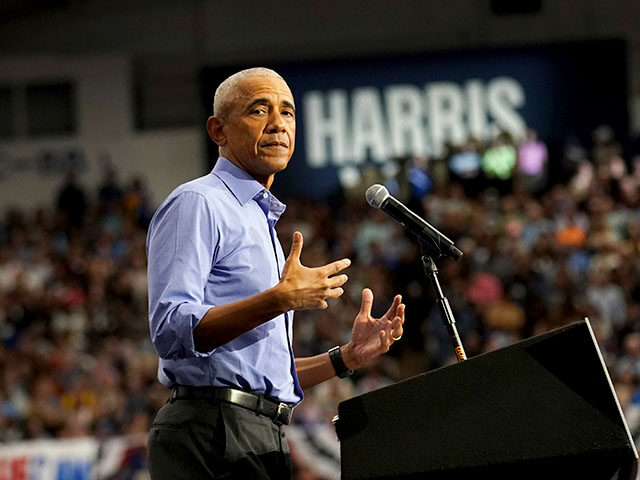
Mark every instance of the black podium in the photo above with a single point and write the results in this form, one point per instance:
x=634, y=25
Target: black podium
x=543, y=408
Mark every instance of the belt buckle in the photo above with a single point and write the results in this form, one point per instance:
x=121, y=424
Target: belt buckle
x=283, y=414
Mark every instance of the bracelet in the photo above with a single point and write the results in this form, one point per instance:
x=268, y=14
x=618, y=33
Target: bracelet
x=338, y=364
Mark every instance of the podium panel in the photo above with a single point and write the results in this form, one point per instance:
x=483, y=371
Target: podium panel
x=541, y=408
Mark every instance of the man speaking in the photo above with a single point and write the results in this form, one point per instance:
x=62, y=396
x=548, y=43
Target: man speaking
x=222, y=296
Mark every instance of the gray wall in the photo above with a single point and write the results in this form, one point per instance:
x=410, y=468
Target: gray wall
x=171, y=39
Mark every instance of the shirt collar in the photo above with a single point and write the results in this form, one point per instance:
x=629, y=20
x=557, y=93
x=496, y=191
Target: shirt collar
x=244, y=187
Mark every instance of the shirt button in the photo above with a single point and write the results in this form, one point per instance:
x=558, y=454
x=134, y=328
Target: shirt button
x=265, y=195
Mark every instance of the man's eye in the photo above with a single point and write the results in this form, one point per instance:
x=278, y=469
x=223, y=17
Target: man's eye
x=288, y=113
x=258, y=111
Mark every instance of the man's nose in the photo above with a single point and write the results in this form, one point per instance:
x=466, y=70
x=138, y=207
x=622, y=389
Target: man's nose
x=276, y=123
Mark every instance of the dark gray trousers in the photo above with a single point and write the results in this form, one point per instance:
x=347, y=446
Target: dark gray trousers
x=207, y=439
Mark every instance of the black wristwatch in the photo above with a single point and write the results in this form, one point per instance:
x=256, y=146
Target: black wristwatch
x=338, y=364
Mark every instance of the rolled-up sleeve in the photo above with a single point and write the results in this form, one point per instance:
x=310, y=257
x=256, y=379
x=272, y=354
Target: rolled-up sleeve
x=180, y=251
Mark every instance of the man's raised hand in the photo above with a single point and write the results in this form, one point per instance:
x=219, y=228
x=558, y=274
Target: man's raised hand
x=371, y=337
x=306, y=288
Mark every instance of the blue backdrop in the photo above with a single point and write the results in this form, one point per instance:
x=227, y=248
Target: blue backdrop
x=559, y=90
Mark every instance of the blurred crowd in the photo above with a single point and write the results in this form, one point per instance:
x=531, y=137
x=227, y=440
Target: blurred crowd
x=75, y=359
x=548, y=239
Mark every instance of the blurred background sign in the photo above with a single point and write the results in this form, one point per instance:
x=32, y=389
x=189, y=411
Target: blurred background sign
x=355, y=112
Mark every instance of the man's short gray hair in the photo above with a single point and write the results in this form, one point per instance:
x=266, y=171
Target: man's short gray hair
x=228, y=91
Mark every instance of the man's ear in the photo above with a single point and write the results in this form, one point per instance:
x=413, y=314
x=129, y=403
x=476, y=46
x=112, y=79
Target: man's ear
x=216, y=131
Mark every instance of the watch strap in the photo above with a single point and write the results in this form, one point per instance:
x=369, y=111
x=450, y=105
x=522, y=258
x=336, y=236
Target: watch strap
x=335, y=355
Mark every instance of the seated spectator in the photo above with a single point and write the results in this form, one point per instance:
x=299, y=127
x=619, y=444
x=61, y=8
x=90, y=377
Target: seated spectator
x=532, y=162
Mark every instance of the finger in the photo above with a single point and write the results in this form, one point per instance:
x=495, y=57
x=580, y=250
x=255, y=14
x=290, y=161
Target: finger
x=396, y=329
x=335, y=292
x=296, y=247
x=400, y=312
x=338, y=281
x=313, y=305
x=335, y=267
x=367, y=302
x=385, y=341
x=392, y=312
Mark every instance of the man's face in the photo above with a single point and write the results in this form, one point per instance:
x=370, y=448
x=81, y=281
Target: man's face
x=259, y=132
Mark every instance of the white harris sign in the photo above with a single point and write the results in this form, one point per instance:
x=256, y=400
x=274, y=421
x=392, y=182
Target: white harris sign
x=345, y=127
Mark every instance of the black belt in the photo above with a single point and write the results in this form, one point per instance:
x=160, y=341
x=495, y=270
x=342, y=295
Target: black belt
x=279, y=412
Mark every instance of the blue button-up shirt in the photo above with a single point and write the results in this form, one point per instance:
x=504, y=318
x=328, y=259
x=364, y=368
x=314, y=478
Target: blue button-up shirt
x=213, y=242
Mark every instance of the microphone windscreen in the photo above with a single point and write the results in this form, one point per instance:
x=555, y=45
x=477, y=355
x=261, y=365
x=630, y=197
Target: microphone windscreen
x=376, y=194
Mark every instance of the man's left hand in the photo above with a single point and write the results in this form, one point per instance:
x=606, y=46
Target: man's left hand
x=371, y=337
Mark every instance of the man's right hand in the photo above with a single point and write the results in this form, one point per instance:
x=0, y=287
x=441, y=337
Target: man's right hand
x=305, y=288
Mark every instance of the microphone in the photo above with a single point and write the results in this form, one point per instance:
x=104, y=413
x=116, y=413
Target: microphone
x=428, y=236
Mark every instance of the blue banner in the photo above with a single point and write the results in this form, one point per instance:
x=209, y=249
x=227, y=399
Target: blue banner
x=357, y=112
